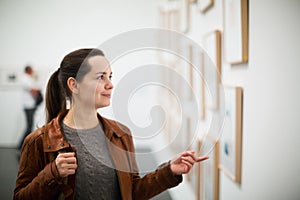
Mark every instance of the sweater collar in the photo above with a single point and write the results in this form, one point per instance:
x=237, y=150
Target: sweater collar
x=55, y=141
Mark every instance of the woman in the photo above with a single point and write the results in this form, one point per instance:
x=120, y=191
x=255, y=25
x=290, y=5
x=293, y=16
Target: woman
x=79, y=154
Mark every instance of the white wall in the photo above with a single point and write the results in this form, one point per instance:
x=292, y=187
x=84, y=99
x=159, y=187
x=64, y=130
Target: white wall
x=40, y=33
x=270, y=158
x=43, y=32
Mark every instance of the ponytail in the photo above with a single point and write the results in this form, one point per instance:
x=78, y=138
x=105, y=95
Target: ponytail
x=55, y=100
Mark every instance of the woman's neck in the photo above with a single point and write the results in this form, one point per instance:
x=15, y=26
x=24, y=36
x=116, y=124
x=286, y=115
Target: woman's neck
x=81, y=119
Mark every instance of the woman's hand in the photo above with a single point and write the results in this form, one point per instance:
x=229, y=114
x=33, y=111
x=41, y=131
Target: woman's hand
x=66, y=164
x=184, y=162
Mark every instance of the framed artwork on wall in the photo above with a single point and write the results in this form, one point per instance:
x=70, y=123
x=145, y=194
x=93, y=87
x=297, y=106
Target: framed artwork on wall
x=190, y=145
x=169, y=20
x=202, y=88
x=208, y=178
x=176, y=15
x=9, y=77
x=195, y=79
x=191, y=77
x=231, y=139
x=169, y=16
x=175, y=117
x=184, y=7
x=191, y=72
x=212, y=64
x=198, y=175
x=204, y=5
x=193, y=175
x=235, y=31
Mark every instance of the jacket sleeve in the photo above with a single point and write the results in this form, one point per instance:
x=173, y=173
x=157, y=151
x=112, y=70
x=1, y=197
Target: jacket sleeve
x=35, y=179
x=152, y=183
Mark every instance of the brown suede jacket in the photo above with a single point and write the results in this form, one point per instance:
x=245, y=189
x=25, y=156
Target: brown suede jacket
x=38, y=177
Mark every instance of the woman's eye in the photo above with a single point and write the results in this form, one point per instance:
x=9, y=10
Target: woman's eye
x=100, y=77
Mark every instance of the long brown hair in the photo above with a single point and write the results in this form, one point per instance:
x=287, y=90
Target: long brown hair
x=73, y=65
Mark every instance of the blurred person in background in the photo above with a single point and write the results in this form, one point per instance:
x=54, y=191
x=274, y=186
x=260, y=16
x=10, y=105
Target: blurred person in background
x=29, y=94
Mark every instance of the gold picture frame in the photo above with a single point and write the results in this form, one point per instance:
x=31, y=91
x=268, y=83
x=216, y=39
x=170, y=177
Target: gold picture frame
x=184, y=13
x=208, y=172
x=204, y=5
x=235, y=23
x=202, y=88
x=212, y=71
x=169, y=13
x=231, y=138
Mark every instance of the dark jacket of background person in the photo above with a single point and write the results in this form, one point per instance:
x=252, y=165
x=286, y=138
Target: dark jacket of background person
x=39, y=179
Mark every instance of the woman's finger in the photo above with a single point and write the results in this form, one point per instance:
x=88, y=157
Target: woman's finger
x=69, y=166
x=199, y=159
x=188, y=159
x=188, y=153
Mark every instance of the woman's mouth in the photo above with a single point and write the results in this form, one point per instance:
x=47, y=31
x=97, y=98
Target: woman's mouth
x=106, y=95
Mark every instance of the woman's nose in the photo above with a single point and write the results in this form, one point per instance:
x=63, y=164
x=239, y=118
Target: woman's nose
x=109, y=85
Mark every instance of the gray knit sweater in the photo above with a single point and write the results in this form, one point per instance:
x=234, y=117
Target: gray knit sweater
x=96, y=177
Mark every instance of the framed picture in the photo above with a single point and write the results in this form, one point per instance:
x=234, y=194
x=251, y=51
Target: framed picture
x=169, y=20
x=231, y=139
x=202, y=88
x=175, y=120
x=191, y=72
x=193, y=175
x=195, y=76
x=184, y=6
x=191, y=77
x=204, y=5
x=190, y=145
x=212, y=64
x=208, y=177
x=235, y=31
x=169, y=16
x=9, y=77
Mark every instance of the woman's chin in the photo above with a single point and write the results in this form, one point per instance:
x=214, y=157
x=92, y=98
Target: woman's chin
x=103, y=105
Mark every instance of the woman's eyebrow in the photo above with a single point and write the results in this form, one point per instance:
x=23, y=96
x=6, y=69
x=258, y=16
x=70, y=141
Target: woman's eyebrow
x=103, y=73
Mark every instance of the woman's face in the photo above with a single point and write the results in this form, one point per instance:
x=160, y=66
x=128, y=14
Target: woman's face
x=96, y=83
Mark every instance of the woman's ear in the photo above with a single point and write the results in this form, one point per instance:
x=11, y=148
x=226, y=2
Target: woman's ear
x=72, y=85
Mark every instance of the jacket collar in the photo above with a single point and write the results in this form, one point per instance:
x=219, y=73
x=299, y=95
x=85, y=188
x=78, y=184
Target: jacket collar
x=54, y=139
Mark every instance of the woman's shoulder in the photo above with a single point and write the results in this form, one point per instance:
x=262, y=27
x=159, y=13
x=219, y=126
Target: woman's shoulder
x=35, y=137
x=115, y=126
x=120, y=131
